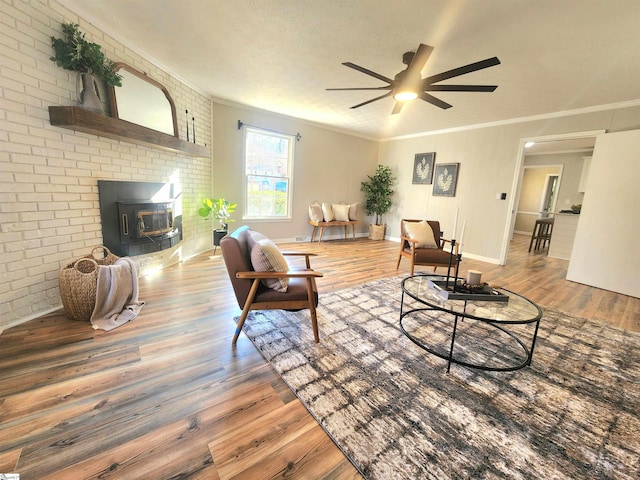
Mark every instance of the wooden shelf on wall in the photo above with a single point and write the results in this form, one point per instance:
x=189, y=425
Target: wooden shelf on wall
x=82, y=120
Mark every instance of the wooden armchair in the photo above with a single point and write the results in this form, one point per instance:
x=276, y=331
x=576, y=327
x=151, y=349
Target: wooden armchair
x=301, y=292
x=421, y=251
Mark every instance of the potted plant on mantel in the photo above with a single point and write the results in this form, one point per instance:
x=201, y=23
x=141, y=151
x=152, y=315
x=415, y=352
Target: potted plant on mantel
x=221, y=210
x=377, y=191
x=75, y=53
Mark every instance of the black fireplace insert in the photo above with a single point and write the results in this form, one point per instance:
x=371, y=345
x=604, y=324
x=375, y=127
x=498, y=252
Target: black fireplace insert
x=140, y=217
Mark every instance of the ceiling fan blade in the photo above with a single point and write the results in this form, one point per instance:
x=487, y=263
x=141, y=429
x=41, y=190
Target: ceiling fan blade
x=397, y=107
x=372, y=100
x=460, y=88
x=388, y=87
x=368, y=72
x=434, y=101
x=472, y=67
x=418, y=61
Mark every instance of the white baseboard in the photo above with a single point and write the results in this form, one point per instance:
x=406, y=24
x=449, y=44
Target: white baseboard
x=325, y=237
x=495, y=261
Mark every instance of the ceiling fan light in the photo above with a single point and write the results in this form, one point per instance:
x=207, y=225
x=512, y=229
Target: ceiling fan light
x=405, y=96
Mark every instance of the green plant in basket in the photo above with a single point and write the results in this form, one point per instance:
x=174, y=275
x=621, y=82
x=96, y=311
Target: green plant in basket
x=378, y=192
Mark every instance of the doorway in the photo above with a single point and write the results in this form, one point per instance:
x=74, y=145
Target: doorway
x=550, y=196
x=538, y=195
x=566, y=142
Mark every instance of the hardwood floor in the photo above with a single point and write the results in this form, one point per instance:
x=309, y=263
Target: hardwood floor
x=167, y=396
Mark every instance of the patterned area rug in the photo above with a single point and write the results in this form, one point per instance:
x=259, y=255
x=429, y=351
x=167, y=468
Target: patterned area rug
x=395, y=412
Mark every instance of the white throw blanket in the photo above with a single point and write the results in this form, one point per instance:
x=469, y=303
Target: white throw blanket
x=116, y=295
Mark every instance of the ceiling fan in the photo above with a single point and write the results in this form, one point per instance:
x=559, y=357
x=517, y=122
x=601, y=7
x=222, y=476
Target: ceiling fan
x=409, y=84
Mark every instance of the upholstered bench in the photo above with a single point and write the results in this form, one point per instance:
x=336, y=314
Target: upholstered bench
x=334, y=223
x=328, y=215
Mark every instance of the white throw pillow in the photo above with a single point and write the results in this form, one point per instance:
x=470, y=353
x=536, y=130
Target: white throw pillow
x=327, y=212
x=422, y=232
x=341, y=212
x=315, y=212
x=266, y=257
x=254, y=237
x=353, y=211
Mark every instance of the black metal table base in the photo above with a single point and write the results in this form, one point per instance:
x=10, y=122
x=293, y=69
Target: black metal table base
x=450, y=358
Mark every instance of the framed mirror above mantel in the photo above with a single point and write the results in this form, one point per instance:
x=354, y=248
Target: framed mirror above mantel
x=142, y=110
x=143, y=101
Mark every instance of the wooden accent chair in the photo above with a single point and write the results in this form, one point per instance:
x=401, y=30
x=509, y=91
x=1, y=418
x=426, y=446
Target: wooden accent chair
x=252, y=294
x=433, y=256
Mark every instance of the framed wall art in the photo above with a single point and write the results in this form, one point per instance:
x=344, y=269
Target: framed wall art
x=445, y=179
x=423, y=168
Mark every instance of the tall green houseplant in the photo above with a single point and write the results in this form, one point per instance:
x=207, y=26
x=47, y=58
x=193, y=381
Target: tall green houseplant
x=378, y=192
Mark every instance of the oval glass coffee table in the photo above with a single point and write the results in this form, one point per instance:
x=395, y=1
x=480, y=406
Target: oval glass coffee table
x=481, y=334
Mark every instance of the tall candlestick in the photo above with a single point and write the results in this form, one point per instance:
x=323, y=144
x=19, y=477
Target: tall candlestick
x=187, y=112
x=455, y=225
x=464, y=225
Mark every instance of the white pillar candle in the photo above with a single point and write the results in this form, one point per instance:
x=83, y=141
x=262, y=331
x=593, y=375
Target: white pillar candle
x=464, y=224
x=473, y=277
x=455, y=225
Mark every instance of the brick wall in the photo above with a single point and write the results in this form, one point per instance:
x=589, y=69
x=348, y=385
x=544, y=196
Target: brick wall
x=49, y=212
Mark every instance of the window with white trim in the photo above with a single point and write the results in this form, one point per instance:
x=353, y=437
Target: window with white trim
x=268, y=160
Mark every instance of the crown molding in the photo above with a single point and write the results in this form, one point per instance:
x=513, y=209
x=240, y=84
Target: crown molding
x=545, y=116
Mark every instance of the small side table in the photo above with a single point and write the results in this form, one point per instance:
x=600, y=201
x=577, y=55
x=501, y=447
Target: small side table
x=217, y=236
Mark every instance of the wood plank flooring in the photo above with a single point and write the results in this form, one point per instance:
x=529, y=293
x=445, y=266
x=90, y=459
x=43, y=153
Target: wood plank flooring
x=167, y=396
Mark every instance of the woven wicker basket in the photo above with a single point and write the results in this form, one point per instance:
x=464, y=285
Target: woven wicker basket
x=376, y=232
x=102, y=255
x=78, y=288
x=78, y=281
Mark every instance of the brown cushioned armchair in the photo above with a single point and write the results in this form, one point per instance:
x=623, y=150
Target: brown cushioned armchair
x=434, y=256
x=252, y=294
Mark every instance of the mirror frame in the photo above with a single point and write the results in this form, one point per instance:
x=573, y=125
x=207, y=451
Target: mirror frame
x=143, y=76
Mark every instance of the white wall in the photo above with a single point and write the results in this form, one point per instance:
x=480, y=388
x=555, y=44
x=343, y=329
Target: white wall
x=488, y=162
x=605, y=251
x=329, y=167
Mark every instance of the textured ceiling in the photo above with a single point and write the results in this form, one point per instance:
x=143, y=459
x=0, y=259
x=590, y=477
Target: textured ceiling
x=281, y=55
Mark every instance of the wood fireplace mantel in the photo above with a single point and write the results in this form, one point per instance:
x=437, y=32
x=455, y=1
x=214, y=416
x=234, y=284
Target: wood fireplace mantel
x=83, y=120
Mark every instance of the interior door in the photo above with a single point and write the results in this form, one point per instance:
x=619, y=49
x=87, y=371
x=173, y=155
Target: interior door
x=605, y=249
